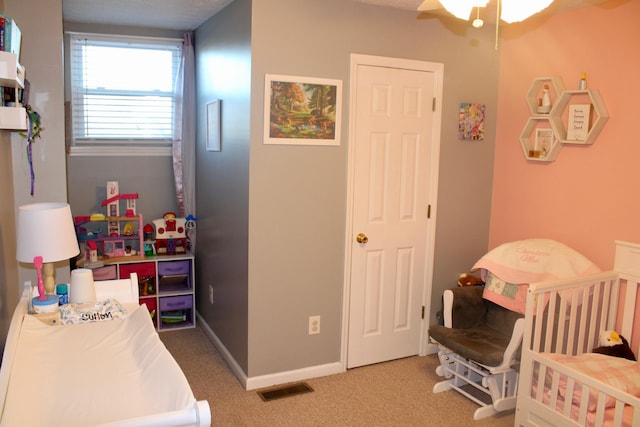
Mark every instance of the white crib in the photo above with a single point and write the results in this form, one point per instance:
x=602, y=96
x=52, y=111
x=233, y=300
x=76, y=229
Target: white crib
x=562, y=383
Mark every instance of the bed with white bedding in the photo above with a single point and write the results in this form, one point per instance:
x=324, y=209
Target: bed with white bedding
x=114, y=372
x=562, y=381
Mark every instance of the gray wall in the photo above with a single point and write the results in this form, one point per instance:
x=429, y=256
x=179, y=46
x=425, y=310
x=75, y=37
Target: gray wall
x=257, y=205
x=8, y=266
x=41, y=54
x=151, y=177
x=223, y=62
x=291, y=243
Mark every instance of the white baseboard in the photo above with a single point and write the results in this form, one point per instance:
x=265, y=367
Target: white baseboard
x=231, y=362
x=295, y=375
x=431, y=349
x=252, y=383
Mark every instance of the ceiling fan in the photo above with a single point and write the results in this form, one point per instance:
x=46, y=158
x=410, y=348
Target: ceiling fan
x=509, y=10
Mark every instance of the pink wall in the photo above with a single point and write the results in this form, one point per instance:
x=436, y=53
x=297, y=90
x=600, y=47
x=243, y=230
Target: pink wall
x=590, y=195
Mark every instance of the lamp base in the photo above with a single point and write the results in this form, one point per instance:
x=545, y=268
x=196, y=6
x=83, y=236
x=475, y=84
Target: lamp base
x=49, y=273
x=47, y=305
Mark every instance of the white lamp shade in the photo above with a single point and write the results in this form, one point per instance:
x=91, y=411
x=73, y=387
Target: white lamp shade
x=519, y=10
x=46, y=230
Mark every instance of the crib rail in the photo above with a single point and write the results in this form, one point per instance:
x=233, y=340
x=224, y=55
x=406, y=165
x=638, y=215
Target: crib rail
x=614, y=408
x=566, y=317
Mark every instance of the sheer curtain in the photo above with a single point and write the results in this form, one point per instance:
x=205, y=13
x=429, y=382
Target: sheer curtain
x=184, y=138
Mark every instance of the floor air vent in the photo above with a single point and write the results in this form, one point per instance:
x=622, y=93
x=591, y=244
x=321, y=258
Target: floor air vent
x=284, y=391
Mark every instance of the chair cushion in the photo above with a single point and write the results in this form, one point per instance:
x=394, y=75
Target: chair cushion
x=501, y=319
x=480, y=344
x=483, y=342
x=469, y=309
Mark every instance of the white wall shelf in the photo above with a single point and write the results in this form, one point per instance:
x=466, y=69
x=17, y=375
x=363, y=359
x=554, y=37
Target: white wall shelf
x=559, y=114
x=540, y=148
x=13, y=118
x=539, y=139
x=11, y=72
x=556, y=120
x=556, y=87
x=12, y=75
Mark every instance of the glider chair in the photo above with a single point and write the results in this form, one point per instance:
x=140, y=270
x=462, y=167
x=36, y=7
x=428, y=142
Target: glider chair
x=479, y=350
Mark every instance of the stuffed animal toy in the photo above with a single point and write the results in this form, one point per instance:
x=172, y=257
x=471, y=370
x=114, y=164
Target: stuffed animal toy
x=613, y=344
x=469, y=280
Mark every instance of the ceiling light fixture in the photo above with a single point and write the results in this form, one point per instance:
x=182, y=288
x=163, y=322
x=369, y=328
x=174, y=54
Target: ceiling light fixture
x=477, y=23
x=462, y=8
x=510, y=10
x=519, y=10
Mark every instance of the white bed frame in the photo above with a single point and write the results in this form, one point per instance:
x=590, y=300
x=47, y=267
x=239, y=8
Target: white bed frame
x=569, y=323
x=126, y=292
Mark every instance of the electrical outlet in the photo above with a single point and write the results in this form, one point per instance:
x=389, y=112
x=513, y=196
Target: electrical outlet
x=210, y=294
x=314, y=325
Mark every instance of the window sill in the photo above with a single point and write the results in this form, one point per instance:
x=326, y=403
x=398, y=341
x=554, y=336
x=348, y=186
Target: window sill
x=107, y=151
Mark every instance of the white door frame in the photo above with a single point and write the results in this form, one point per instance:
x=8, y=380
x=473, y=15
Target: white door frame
x=438, y=70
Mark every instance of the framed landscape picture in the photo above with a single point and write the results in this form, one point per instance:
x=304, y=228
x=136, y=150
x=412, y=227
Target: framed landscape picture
x=302, y=110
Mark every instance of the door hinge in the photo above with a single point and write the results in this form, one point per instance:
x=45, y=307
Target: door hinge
x=422, y=312
x=433, y=105
x=429, y=212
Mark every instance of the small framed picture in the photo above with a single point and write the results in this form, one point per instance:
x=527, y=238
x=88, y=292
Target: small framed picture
x=213, y=126
x=579, y=122
x=543, y=142
x=471, y=121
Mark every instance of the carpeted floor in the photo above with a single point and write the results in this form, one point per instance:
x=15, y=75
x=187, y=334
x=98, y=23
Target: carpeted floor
x=396, y=393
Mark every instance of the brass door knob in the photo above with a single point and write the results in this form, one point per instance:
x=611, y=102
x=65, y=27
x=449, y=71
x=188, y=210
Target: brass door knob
x=362, y=238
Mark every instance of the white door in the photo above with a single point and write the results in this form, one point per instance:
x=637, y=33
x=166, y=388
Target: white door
x=394, y=181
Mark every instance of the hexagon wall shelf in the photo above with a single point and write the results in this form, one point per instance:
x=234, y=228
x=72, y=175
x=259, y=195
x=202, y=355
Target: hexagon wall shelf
x=539, y=149
x=544, y=134
x=556, y=87
x=600, y=115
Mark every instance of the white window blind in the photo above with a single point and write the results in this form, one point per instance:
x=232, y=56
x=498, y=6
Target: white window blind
x=122, y=89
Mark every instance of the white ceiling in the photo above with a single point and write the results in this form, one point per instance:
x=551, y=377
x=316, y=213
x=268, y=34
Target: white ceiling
x=189, y=14
x=170, y=14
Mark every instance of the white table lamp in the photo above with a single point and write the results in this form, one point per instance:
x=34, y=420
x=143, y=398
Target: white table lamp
x=45, y=235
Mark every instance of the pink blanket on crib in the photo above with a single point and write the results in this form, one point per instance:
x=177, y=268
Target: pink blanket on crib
x=618, y=373
x=510, y=267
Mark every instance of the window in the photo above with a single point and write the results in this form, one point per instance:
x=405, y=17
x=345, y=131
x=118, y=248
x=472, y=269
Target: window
x=122, y=90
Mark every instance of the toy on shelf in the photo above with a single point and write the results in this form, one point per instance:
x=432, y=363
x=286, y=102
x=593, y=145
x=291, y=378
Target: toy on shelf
x=123, y=234
x=171, y=235
x=149, y=240
x=114, y=197
x=90, y=255
x=113, y=205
